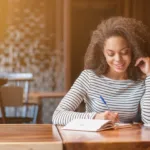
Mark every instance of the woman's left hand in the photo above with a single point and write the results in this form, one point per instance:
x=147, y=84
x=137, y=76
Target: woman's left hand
x=144, y=64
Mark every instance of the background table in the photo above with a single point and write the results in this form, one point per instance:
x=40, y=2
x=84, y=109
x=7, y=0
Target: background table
x=29, y=137
x=137, y=137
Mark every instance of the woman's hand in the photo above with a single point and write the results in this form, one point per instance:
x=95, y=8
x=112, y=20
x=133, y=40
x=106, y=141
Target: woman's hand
x=108, y=115
x=144, y=64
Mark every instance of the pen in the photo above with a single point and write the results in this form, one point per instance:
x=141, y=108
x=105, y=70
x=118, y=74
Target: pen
x=104, y=102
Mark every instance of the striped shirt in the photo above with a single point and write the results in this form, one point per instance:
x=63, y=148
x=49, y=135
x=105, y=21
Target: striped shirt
x=122, y=96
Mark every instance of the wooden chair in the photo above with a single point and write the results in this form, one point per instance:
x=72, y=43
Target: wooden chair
x=3, y=81
x=12, y=96
x=23, y=80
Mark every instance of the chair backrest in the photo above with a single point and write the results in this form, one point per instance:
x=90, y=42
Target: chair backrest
x=11, y=95
x=20, y=80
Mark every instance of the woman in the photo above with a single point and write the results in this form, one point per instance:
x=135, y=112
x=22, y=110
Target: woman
x=117, y=69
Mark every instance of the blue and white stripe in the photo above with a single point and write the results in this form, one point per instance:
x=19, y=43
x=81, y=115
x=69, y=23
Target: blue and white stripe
x=122, y=96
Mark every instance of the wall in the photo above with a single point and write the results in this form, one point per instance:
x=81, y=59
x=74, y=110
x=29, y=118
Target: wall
x=28, y=44
x=86, y=15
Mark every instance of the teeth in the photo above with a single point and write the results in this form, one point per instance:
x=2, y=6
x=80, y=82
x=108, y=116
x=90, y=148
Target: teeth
x=119, y=66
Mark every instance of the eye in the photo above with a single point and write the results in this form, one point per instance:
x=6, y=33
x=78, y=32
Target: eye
x=110, y=53
x=124, y=52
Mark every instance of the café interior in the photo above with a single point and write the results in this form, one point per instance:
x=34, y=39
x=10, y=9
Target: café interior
x=42, y=48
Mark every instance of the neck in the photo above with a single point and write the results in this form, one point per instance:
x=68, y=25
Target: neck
x=116, y=75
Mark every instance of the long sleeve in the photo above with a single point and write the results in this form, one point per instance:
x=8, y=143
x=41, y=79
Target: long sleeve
x=65, y=112
x=145, y=102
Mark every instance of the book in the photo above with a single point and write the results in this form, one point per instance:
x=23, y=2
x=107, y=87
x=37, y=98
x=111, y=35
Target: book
x=94, y=125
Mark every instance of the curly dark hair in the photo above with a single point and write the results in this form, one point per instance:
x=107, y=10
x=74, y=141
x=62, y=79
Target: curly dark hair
x=136, y=34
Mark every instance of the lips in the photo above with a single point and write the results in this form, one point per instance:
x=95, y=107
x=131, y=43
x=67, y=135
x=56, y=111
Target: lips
x=119, y=66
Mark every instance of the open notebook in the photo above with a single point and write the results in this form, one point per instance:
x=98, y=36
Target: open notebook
x=94, y=125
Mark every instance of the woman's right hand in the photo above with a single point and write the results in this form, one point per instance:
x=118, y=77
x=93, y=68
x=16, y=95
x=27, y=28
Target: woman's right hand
x=108, y=115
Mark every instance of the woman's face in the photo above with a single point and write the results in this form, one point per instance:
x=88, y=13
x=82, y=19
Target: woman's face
x=117, y=54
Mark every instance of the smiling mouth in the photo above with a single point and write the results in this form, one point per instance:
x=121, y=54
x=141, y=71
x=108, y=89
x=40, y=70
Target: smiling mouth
x=119, y=66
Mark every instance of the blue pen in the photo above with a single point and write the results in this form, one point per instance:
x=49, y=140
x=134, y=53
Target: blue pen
x=104, y=102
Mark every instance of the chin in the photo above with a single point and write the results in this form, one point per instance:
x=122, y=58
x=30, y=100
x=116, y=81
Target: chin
x=120, y=71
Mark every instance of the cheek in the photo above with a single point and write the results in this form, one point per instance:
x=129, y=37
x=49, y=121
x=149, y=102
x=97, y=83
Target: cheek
x=106, y=56
x=128, y=59
x=109, y=60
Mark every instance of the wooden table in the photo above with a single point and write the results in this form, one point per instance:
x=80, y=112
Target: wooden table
x=29, y=137
x=135, y=138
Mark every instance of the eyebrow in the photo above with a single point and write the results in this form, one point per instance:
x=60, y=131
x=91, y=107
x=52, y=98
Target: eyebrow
x=120, y=49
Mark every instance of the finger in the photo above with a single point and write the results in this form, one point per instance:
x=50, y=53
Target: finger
x=117, y=120
x=115, y=117
x=106, y=114
x=140, y=60
x=112, y=116
x=116, y=113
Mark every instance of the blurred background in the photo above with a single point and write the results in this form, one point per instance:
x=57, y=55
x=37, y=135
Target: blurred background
x=48, y=38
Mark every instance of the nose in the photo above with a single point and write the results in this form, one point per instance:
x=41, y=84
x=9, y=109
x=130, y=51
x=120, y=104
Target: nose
x=117, y=57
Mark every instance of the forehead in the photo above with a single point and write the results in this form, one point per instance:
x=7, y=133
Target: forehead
x=115, y=43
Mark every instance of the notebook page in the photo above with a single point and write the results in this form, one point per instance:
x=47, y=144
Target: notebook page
x=85, y=124
x=123, y=125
